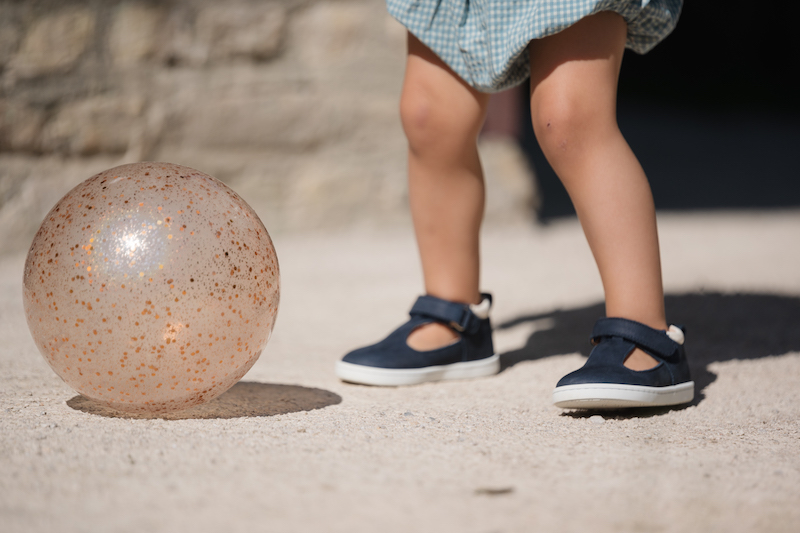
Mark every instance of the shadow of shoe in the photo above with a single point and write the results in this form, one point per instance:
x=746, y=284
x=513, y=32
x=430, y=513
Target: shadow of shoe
x=245, y=399
x=721, y=327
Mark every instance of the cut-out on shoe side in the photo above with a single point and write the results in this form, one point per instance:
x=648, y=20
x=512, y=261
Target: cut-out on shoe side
x=431, y=336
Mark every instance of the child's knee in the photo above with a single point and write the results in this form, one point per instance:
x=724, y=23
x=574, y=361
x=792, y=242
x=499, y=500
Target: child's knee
x=563, y=124
x=418, y=116
x=432, y=124
x=556, y=120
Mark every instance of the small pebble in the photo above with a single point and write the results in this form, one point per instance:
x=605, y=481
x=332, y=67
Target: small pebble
x=494, y=491
x=597, y=419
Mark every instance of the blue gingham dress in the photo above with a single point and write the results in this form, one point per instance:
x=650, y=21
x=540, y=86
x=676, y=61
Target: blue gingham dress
x=485, y=41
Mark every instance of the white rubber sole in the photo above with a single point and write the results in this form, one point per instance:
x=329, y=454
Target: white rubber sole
x=615, y=396
x=392, y=377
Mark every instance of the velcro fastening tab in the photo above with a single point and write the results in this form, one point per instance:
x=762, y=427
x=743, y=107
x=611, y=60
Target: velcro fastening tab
x=644, y=336
x=458, y=316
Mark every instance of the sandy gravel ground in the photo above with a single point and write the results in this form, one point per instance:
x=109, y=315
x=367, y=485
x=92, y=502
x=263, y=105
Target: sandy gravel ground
x=291, y=448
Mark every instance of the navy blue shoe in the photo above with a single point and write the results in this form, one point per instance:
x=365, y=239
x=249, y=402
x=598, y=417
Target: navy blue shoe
x=393, y=362
x=605, y=382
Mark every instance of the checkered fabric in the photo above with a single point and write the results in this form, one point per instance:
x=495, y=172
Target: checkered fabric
x=485, y=41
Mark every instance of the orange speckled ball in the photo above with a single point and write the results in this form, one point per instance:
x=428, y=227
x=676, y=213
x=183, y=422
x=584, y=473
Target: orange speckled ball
x=151, y=287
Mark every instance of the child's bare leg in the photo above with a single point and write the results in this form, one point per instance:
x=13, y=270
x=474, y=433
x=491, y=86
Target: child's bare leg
x=573, y=105
x=441, y=117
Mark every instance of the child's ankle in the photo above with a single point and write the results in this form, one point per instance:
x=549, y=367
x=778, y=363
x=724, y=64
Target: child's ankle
x=431, y=336
x=638, y=359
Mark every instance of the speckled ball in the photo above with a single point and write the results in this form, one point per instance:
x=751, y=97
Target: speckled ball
x=151, y=287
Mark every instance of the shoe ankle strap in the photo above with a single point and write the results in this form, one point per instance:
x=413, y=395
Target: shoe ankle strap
x=456, y=315
x=653, y=340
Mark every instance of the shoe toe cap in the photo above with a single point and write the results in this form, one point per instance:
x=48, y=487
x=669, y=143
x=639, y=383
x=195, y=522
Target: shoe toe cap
x=366, y=356
x=658, y=376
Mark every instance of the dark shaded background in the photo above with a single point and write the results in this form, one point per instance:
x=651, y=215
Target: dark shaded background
x=712, y=112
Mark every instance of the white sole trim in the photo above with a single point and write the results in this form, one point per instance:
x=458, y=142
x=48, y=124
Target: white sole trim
x=614, y=395
x=392, y=377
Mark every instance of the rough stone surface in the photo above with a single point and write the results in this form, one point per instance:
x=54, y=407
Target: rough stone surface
x=28, y=192
x=10, y=34
x=253, y=32
x=331, y=33
x=101, y=124
x=20, y=126
x=134, y=33
x=54, y=43
x=293, y=103
x=297, y=121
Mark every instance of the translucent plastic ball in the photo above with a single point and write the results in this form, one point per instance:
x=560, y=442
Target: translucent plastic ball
x=151, y=287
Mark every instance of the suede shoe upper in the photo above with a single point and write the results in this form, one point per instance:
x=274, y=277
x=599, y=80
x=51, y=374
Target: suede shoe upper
x=394, y=353
x=614, y=339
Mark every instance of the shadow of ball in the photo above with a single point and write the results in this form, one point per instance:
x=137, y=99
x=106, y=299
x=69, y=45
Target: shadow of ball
x=245, y=399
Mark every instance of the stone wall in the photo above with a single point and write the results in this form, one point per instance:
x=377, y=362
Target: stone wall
x=293, y=103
